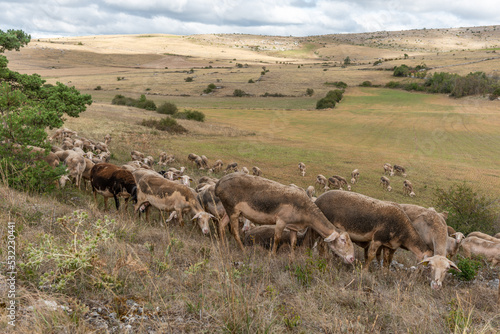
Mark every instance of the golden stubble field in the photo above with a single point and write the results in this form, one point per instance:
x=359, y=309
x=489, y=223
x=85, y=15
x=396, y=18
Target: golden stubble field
x=185, y=282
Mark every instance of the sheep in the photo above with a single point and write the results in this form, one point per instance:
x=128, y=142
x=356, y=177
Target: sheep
x=204, y=161
x=399, y=170
x=388, y=169
x=86, y=173
x=199, y=162
x=165, y=159
x=483, y=236
x=302, y=168
x=478, y=246
x=453, y=243
x=149, y=160
x=75, y=164
x=322, y=181
x=354, y=176
x=192, y=157
x=334, y=183
x=497, y=235
x=310, y=191
x=386, y=183
x=343, y=182
x=408, y=188
x=245, y=170
x=217, y=167
x=107, y=139
x=256, y=171
x=137, y=156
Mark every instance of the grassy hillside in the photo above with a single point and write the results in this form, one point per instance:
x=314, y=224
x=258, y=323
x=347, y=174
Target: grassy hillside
x=156, y=277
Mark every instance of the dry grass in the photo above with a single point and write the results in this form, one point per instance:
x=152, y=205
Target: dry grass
x=172, y=279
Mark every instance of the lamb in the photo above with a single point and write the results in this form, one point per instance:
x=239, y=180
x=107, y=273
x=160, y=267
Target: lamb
x=408, y=188
x=388, y=169
x=453, y=244
x=477, y=246
x=199, y=162
x=192, y=157
x=204, y=161
x=302, y=168
x=267, y=202
x=354, y=176
x=264, y=235
x=334, y=183
x=256, y=171
x=386, y=183
x=399, y=170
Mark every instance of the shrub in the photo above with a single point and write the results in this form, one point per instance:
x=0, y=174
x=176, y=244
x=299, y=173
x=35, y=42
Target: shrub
x=210, y=88
x=309, y=92
x=377, y=62
x=167, y=108
x=142, y=103
x=251, y=81
x=467, y=210
x=98, y=88
x=325, y=103
x=338, y=84
x=188, y=79
x=165, y=124
x=366, y=84
x=335, y=95
x=468, y=267
x=393, y=84
x=192, y=115
x=401, y=71
x=239, y=93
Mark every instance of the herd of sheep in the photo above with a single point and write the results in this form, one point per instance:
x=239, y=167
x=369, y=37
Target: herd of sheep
x=270, y=213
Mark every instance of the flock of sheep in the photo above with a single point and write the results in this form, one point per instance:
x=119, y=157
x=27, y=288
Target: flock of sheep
x=270, y=213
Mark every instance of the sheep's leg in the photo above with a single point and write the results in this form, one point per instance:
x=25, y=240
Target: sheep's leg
x=293, y=242
x=235, y=230
x=280, y=226
x=222, y=228
x=372, y=251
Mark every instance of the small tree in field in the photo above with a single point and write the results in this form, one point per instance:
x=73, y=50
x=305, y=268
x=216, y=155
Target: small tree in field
x=27, y=108
x=468, y=211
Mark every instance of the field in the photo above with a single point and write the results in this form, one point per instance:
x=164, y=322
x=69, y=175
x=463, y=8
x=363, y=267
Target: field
x=171, y=279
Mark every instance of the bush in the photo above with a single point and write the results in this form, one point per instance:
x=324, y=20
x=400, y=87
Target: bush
x=393, y=84
x=467, y=210
x=167, y=108
x=142, y=103
x=98, y=88
x=251, y=81
x=401, y=71
x=192, y=115
x=165, y=124
x=336, y=95
x=188, y=79
x=377, y=62
x=239, y=93
x=338, y=84
x=309, y=92
x=366, y=84
x=468, y=267
x=325, y=103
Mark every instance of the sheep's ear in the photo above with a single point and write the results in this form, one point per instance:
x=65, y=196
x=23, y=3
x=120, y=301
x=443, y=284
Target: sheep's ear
x=197, y=215
x=332, y=236
x=454, y=266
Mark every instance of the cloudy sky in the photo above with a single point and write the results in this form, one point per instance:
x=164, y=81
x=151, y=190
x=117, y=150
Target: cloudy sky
x=51, y=18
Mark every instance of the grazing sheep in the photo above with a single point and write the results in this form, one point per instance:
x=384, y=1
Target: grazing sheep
x=149, y=160
x=204, y=161
x=453, y=243
x=310, y=191
x=483, y=236
x=334, y=183
x=267, y=202
x=408, y=188
x=386, y=183
x=199, y=162
x=192, y=157
x=343, y=182
x=399, y=170
x=388, y=169
x=75, y=164
x=232, y=167
x=354, y=176
x=137, y=156
x=479, y=246
x=256, y=171
x=112, y=181
x=322, y=181
x=165, y=159
x=302, y=168
x=107, y=139
x=217, y=167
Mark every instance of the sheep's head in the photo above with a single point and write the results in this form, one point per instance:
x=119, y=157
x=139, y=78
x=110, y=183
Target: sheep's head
x=439, y=267
x=203, y=218
x=341, y=244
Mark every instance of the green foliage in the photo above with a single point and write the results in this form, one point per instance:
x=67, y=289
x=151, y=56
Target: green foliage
x=347, y=61
x=98, y=88
x=401, y=71
x=335, y=95
x=325, y=103
x=366, y=84
x=309, y=92
x=165, y=124
x=141, y=103
x=189, y=79
x=27, y=108
x=375, y=63
x=55, y=264
x=210, y=88
x=266, y=94
x=193, y=115
x=338, y=84
x=239, y=93
x=468, y=267
x=468, y=211
x=393, y=84
x=13, y=40
x=458, y=321
x=251, y=81
x=167, y=108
